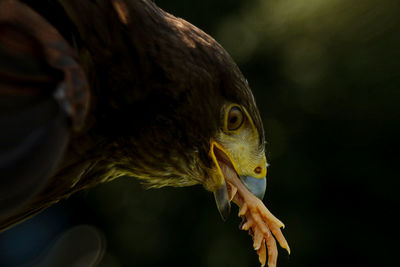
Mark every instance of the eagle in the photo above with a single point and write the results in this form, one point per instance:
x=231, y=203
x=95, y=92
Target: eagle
x=94, y=90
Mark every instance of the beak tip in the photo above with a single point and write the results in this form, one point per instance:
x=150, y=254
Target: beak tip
x=223, y=202
x=225, y=211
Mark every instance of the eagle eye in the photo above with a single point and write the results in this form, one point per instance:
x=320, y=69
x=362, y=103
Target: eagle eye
x=235, y=118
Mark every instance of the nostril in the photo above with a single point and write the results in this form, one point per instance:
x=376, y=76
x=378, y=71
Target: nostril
x=258, y=170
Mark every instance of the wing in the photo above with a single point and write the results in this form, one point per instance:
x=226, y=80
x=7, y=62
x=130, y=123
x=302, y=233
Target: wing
x=44, y=96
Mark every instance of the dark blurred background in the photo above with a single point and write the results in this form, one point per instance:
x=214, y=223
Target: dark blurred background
x=326, y=77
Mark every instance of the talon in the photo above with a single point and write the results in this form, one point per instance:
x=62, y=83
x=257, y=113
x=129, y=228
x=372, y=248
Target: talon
x=262, y=254
x=243, y=210
x=242, y=223
x=232, y=190
x=276, y=231
x=258, y=238
x=272, y=251
x=246, y=226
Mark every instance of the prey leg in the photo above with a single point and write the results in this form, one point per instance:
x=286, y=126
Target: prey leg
x=262, y=225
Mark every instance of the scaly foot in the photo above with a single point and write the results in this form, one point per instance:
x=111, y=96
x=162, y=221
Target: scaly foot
x=259, y=221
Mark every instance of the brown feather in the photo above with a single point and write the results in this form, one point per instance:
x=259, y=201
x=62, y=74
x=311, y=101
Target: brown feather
x=158, y=86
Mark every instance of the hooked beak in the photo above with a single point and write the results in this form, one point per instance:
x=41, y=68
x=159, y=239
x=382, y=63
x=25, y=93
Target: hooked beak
x=226, y=170
x=255, y=185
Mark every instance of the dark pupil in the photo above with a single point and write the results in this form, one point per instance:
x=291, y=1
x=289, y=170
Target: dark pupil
x=233, y=120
